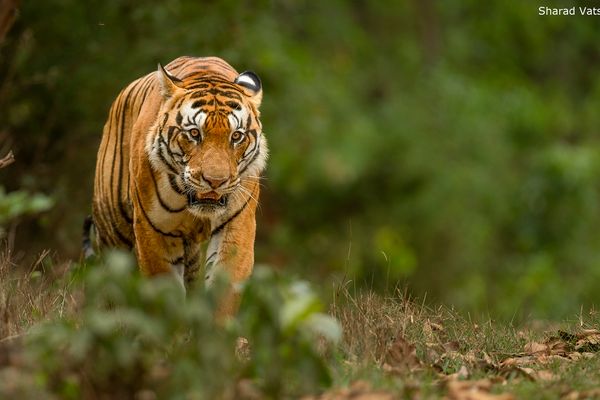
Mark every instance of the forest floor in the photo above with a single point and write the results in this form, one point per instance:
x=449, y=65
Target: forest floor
x=409, y=351
x=392, y=348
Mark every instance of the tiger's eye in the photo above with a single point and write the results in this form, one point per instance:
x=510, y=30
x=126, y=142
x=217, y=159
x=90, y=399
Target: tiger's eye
x=237, y=137
x=194, y=132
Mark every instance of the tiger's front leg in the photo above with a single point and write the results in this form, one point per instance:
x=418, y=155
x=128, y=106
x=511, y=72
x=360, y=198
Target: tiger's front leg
x=231, y=251
x=157, y=252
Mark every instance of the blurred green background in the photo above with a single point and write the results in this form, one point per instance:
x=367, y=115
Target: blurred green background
x=449, y=147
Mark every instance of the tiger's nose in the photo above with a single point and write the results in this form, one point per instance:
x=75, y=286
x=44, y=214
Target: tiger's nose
x=215, y=181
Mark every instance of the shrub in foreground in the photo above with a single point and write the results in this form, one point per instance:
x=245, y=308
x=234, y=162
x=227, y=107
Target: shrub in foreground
x=139, y=337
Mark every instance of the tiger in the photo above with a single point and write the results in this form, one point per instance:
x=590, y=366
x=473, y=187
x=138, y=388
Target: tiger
x=179, y=164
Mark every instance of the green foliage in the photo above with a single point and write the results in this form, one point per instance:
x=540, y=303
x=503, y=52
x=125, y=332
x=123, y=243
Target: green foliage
x=18, y=203
x=440, y=144
x=133, y=335
x=285, y=323
x=15, y=204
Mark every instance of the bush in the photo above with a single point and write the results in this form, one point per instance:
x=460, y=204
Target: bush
x=134, y=336
x=18, y=203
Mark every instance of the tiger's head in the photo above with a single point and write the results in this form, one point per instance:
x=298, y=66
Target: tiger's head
x=208, y=136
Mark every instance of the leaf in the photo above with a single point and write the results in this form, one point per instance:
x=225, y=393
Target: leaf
x=326, y=326
x=474, y=390
x=359, y=390
x=299, y=304
x=586, y=394
x=401, y=356
x=535, y=347
x=588, y=341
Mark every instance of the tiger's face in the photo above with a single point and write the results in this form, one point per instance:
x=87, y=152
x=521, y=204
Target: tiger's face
x=209, y=138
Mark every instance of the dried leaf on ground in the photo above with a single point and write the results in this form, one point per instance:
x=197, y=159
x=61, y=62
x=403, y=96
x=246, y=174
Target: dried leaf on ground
x=535, y=347
x=586, y=394
x=544, y=375
x=563, y=347
x=245, y=389
x=462, y=373
x=401, y=356
x=434, y=332
x=359, y=390
x=531, y=374
x=474, y=390
x=588, y=340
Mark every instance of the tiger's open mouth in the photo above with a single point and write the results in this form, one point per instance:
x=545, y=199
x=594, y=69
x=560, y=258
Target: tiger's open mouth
x=211, y=199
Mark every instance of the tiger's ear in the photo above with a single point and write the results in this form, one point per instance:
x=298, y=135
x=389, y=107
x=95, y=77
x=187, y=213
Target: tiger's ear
x=169, y=84
x=250, y=81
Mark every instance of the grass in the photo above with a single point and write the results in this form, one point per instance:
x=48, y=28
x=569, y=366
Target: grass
x=392, y=347
x=449, y=347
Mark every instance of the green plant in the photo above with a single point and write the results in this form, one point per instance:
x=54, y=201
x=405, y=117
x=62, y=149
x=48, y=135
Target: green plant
x=18, y=203
x=284, y=324
x=133, y=335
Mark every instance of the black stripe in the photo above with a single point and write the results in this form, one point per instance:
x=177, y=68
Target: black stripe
x=170, y=132
x=177, y=62
x=100, y=216
x=210, y=259
x=145, y=94
x=147, y=218
x=196, y=95
x=160, y=200
x=232, y=92
x=105, y=236
x=110, y=116
x=192, y=254
x=192, y=262
x=212, y=79
x=234, y=104
x=220, y=227
x=198, y=103
x=196, y=116
x=249, y=150
x=113, y=159
x=178, y=260
x=175, y=186
x=220, y=63
x=123, y=239
x=161, y=143
x=202, y=84
x=250, y=162
x=179, y=102
x=134, y=91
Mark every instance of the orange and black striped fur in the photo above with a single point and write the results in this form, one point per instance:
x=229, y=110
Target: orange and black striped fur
x=179, y=164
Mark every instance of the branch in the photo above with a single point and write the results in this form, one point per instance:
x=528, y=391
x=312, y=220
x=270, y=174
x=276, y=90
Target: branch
x=7, y=160
x=8, y=14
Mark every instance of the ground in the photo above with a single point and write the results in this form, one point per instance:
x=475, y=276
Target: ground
x=392, y=346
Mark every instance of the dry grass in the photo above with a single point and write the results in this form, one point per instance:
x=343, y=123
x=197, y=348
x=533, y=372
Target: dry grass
x=418, y=352
x=32, y=294
x=371, y=322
